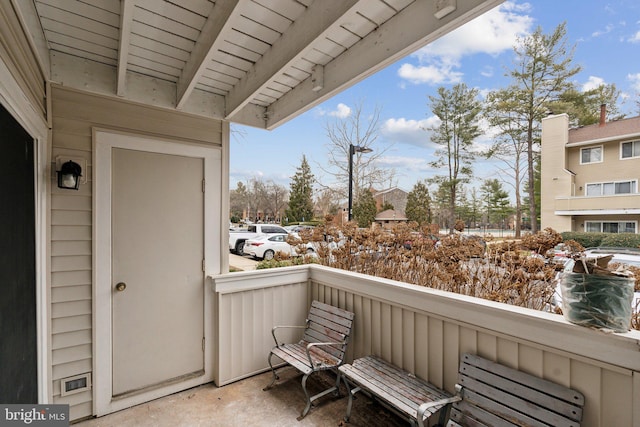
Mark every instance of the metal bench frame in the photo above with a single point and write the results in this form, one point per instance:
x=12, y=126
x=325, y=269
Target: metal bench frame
x=322, y=347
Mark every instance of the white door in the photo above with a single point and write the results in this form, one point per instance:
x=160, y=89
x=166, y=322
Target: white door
x=157, y=253
x=157, y=234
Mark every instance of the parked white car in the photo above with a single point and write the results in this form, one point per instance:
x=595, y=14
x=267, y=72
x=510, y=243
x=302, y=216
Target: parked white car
x=265, y=247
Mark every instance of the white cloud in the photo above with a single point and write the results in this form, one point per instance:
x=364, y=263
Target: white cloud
x=342, y=111
x=491, y=33
x=408, y=131
x=635, y=38
x=606, y=30
x=429, y=74
x=635, y=81
x=592, y=83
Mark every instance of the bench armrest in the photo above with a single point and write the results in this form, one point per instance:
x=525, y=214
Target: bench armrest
x=316, y=344
x=273, y=330
x=423, y=408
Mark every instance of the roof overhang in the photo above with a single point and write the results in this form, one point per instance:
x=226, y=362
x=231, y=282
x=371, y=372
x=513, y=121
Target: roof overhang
x=253, y=62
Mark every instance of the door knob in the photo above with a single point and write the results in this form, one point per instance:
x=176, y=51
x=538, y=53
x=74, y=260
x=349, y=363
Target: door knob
x=121, y=286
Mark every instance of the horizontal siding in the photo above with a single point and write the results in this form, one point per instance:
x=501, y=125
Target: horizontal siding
x=75, y=115
x=99, y=111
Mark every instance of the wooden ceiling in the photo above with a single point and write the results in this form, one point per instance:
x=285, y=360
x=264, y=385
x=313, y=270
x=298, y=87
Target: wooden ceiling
x=253, y=62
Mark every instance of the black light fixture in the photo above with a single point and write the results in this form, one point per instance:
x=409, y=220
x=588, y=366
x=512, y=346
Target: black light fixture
x=69, y=175
x=353, y=149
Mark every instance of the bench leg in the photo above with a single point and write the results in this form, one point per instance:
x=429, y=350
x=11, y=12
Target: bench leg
x=310, y=399
x=351, y=393
x=275, y=376
x=306, y=409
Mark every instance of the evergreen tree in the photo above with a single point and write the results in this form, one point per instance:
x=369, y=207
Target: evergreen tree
x=419, y=204
x=583, y=108
x=542, y=71
x=496, y=199
x=386, y=206
x=458, y=110
x=301, y=195
x=364, y=209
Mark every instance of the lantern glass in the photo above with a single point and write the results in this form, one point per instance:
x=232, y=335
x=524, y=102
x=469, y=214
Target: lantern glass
x=69, y=175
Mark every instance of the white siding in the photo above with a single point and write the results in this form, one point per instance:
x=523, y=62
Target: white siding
x=75, y=114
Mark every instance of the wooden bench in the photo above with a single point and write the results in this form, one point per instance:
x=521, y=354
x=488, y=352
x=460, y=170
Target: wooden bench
x=495, y=395
x=322, y=347
x=487, y=394
x=405, y=394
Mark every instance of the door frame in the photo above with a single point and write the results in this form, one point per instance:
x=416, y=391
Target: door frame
x=104, y=140
x=17, y=103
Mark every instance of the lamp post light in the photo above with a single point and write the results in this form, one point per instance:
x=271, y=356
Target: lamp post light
x=353, y=149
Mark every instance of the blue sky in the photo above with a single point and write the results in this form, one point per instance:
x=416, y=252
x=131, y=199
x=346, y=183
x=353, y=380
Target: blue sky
x=606, y=35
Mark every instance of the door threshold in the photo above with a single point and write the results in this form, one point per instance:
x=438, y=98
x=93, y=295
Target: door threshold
x=158, y=385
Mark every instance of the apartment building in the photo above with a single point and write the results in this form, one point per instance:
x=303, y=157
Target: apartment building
x=589, y=175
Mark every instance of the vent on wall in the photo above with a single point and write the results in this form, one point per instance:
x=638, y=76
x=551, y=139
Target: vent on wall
x=77, y=384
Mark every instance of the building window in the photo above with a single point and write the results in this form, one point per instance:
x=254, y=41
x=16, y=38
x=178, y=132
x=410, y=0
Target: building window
x=591, y=155
x=611, y=226
x=630, y=149
x=611, y=188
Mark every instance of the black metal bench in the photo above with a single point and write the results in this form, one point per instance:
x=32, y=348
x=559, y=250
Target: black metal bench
x=322, y=347
x=487, y=394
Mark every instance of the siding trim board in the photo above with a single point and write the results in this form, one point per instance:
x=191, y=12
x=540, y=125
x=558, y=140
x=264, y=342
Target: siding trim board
x=23, y=93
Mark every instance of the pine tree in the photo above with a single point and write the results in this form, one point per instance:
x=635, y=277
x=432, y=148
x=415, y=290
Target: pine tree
x=301, y=197
x=419, y=204
x=364, y=209
x=542, y=71
x=458, y=110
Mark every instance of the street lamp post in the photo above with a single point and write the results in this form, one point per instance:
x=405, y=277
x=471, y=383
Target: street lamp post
x=353, y=149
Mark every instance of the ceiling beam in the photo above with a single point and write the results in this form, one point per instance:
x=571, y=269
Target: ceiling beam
x=412, y=28
x=126, y=18
x=317, y=20
x=220, y=21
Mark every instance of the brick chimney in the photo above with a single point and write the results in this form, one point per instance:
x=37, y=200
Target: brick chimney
x=603, y=114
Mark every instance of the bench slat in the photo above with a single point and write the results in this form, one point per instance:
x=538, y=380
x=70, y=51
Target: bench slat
x=545, y=386
x=520, y=396
x=468, y=415
x=395, y=386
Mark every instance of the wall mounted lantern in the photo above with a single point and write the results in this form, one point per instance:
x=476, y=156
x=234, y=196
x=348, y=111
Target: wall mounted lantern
x=69, y=175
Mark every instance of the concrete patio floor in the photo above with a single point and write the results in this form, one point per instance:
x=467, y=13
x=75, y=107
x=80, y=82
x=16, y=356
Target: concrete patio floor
x=244, y=403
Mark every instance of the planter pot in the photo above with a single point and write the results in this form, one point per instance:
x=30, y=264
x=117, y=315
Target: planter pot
x=597, y=301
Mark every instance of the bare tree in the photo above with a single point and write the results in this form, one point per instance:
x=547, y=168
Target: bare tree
x=276, y=200
x=510, y=145
x=361, y=130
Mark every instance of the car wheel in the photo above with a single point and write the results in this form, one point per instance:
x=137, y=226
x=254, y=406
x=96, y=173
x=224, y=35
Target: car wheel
x=310, y=251
x=240, y=248
x=268, y=255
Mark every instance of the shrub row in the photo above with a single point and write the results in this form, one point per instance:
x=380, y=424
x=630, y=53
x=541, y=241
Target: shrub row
x=588, y=240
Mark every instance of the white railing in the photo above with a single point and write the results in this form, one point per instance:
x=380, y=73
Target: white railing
x=425, y=331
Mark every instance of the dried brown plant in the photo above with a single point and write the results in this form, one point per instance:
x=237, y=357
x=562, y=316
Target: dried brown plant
x=512, y=272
